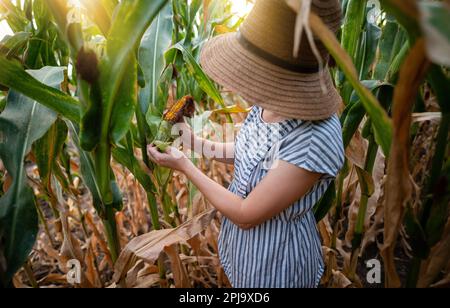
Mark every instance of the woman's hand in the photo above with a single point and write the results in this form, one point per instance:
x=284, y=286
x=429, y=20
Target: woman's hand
x=172, y=158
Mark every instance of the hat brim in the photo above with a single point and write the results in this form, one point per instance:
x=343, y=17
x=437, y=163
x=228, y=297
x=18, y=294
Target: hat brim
x=259, y=82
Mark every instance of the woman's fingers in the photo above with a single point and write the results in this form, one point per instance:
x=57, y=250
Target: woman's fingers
x=158, y=157
x=172, y=158
x=154, y=154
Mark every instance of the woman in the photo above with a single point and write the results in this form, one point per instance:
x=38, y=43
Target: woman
x=286, y=155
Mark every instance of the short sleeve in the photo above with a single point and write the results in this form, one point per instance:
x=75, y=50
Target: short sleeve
x=316, y=147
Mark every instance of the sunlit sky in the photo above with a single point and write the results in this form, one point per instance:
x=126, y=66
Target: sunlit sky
x=240, y=7
x=4, y=29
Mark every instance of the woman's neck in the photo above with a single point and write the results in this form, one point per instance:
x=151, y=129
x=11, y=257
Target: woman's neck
x=271, y=117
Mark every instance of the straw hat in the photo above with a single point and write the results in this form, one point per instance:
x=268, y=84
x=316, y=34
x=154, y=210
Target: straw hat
x=258, y=62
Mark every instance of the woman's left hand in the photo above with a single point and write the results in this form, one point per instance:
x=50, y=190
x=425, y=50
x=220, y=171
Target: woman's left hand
x=172, y=158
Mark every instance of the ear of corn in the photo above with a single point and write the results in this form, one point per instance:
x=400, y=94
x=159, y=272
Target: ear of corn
x=185, y=107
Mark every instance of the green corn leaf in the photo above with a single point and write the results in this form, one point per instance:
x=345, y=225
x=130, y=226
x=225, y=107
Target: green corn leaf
x=381, y=122
x=87, y=170
x=391, y=42
x=406, y=13
x=98, y=14
x=131, y=20
x=14, y=16
x=156, y=41
x=14, y=45
x=367, y=54
x=123, y=157
x=323, y=207
x=41, y=14
x=396, y=64
x=109, y=6
x=355, y=111
x=33, y=55
x=22, y=123
x=436, y=28
x=13, y=76
x=129, y=25
x=124, y=106
x=202, y=79
x=47, y=150
x=353, y=24
x=71, y=32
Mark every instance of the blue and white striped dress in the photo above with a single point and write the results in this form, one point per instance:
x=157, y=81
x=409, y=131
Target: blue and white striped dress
x=284, y=252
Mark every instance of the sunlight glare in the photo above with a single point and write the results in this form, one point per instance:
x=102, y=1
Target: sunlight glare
x=241, y=7
x=4, y=29
x=75, y=3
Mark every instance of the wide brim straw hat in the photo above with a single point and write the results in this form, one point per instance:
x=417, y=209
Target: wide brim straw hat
x=259, y=64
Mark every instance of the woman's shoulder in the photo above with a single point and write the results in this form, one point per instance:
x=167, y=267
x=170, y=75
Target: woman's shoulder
x=328, y=130
x=254, y=113
x=324, y=131
x=316, y=146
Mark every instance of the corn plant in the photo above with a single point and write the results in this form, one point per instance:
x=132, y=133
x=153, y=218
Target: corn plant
x=119, y=72
x=84, y=89
x=390, y=59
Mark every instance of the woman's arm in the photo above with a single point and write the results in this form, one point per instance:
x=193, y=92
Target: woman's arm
x=277, y=191
x=218, y=151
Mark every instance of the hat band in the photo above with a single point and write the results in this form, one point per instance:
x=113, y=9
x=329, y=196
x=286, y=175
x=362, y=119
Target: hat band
x=275, y=60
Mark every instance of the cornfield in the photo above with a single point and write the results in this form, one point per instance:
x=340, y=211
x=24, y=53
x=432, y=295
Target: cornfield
x=83, y=90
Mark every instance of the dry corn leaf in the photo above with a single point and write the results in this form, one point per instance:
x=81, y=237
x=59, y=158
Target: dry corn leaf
x=438, y=260
x=374, y=216
x=357, y=149
x=70, y=248
x=132, y=275
x=147, y=281
x=149, y=246
x=180, y=275
x=427, y=116
x=53, y=279
x=325, y=231
x=102, y=243
x=91, y=270
x=399, y=182
x=339, y=280
x=18, y=283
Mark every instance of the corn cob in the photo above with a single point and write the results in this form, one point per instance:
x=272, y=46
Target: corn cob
x=183, y=108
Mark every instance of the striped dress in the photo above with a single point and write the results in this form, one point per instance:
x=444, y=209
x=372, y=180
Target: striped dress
x=284, y=252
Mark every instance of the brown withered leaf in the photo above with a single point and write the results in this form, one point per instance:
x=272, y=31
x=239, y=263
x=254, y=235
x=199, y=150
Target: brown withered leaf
x=96, y=234
x=438, y=260
x=91, y=271
x=339, y=280
x=427, y=116
x=133, y=274
x=180, y=275
x=357, y=149
x=71, y=249
x=374, y=205
x=399, y=182
x=149, y=246
x=147, y=281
